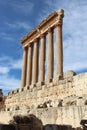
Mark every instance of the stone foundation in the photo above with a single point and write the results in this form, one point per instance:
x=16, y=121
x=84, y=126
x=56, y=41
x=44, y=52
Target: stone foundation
x=61, y=101
x=71, y=90
x=70, y=115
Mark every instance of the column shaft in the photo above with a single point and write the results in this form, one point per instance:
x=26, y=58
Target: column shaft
x=50, y=54
x=42, y=58
x=29, y=66
x=35, y=63
x=24, y=68
x=59, y=50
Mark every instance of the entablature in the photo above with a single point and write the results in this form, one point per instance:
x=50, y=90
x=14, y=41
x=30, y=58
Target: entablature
x=51, y=21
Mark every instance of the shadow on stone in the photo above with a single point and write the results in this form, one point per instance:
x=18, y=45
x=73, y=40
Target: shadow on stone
x=59, y=127
x=29, y=122
x=7, y=127
x=84, y=124
x=56, y=127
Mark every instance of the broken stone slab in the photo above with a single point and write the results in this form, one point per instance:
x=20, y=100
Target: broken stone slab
x=69, y=74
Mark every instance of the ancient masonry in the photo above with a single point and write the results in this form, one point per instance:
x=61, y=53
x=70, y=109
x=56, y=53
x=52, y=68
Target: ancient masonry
x=56, y=100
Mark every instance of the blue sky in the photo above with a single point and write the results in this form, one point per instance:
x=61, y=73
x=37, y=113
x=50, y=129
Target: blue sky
x=19, y=17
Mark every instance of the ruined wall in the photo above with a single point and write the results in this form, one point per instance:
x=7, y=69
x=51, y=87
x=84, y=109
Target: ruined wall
x=71, y=88
x=63, y=101
x=69, y=115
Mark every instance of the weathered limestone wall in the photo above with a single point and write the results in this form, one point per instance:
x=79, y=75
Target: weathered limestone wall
x=69, y=115
x=69, y=88
x=63, y=101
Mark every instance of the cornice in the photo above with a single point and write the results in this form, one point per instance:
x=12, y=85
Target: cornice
x=49, y=22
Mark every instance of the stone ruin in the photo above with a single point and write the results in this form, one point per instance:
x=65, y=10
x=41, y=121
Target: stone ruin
x=31, y=122
x=59, y=99
x=23, y=122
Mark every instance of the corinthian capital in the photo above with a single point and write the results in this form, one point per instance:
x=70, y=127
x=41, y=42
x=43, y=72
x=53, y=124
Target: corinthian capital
x=60, y=16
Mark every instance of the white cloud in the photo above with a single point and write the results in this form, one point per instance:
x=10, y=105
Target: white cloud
x=4, y=70
x=9, y=83
x=76, y=66
x=7, y=63
x=16, y=64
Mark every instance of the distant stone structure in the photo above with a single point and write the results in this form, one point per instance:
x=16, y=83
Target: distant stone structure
x=56, y=100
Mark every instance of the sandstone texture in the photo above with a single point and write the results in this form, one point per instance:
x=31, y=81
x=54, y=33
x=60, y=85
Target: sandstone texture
x=62, y=102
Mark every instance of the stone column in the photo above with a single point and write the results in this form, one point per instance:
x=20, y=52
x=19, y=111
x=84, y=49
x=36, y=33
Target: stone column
x=59, y=51
x=24, y=68
x=35, y=62
x=59, y=48
x=42, y=58
x=50, y=54
x=29, y=66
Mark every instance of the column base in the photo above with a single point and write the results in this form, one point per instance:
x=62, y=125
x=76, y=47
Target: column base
x=33, y=85
x=60, y=76
x=39, y=85
x=21, y=89
x=27, y=87
x=48, y=81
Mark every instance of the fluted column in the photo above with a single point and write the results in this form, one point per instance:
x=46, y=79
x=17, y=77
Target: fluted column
x=35, y=62
x=50, y=54
x=42, y=58
x=24, y=68
x=29, y=66
x=59, y=51
x=59, y=46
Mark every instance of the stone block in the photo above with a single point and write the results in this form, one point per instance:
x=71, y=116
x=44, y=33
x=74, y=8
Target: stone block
x=43, y=87
x=15, y=91
x=26, y=88
x=55, y=81
x=69, y=73
x=51, y=84
x=33, y=85
x=40, y=83
x=69, y=79
x=48, y=81
x=21, y=89
x=61, y=82
x=10, y=93
x=39, y=87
